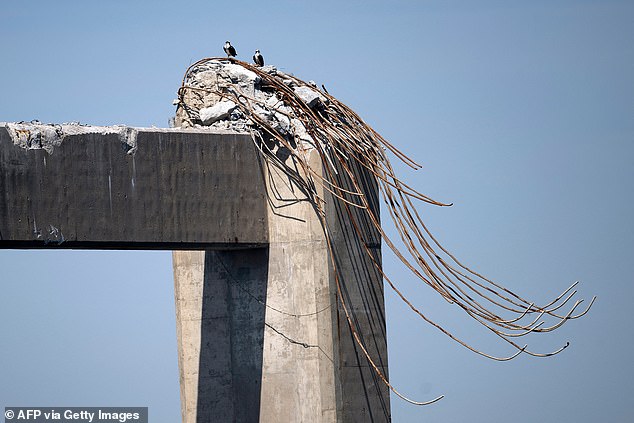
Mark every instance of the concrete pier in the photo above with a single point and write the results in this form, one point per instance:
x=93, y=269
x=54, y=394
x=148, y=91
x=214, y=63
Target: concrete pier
x=261, y=332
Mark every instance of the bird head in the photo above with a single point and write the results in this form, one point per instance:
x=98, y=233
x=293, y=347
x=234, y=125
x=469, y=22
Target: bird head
x=257, y=51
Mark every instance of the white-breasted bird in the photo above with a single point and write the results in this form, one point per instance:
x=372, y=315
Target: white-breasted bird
x=228, y=48
x=258, y=59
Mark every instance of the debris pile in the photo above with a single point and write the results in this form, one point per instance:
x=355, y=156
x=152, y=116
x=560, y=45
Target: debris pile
x=222, y=94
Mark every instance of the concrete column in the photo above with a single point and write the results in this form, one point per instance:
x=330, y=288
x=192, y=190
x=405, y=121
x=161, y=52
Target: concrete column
x=300, y=373
x=220, y=327
x=303, y=364
x=363, y=397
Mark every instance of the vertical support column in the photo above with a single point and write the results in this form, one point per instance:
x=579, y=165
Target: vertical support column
x=300, y=361
x=286, y=336
x=357, y=247
x=220, y=328
x=189, y=277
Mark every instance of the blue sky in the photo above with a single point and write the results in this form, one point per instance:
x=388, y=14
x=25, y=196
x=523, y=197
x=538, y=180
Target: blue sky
x=522, y=114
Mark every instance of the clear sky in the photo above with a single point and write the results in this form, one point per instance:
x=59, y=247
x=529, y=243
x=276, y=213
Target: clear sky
x=522, y=114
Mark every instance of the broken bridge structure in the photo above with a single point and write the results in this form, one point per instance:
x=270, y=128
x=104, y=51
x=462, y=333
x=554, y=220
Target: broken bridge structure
x=261, y=334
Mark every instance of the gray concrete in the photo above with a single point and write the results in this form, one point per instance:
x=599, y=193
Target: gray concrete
x=311, y=370
x=220, y=328
x=365, y=397
x=185, y=189
x=261, y=332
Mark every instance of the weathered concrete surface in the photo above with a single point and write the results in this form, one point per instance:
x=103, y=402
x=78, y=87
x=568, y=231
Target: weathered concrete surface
x=220, y=328
x=311, y=370
x=365, y=398
x=300, y=368
x=179, y=189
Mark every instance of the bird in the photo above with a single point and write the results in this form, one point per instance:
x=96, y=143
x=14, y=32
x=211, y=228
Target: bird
x=228, y=48
x=258, y=59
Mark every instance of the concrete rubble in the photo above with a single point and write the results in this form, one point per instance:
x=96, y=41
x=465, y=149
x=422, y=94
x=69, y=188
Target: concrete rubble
x=35, y=135
x=202, y=105
x=218, y=111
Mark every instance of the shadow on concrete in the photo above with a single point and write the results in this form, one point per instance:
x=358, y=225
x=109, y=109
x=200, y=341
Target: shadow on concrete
x=232, y=335
x=362, y=290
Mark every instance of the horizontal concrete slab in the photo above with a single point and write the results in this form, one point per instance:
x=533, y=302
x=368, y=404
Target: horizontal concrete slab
x=168, y=190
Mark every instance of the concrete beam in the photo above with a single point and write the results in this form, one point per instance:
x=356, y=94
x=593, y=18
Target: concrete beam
x=176, y=190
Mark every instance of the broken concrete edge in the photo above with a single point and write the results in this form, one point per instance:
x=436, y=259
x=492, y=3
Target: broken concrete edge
x=201, y=101
x=39, y=136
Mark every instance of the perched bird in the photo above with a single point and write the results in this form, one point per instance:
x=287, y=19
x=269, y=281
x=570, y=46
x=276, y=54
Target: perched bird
x=228, y=48
x=258, y=59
